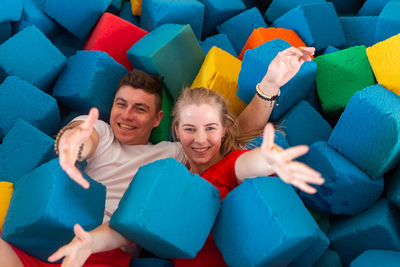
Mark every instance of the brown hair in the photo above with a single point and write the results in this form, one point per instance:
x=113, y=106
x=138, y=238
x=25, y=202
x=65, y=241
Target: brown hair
x=141, y=80
x=202, y=95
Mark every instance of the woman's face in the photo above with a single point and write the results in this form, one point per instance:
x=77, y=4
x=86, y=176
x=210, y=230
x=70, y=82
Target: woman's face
x=200, y=132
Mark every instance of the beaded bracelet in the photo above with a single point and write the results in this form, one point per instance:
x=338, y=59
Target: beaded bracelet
x=57, y=141
x=267, y=97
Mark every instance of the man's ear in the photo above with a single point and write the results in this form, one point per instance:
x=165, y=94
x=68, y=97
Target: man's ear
x=158, y=118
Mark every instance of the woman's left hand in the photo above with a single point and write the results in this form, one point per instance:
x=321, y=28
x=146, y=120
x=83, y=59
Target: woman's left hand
x=282, y=163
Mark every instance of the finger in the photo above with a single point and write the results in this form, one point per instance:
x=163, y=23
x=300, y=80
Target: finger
x=294, y=152
x=61, y=252
x=307, y=50
x=80, y=232
x=268, y=137
x=77, y=176
x=304, y=187
x=93, y=116
x=301, y=168
x=317, y=180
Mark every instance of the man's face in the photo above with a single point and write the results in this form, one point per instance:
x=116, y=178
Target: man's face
x=133, y=115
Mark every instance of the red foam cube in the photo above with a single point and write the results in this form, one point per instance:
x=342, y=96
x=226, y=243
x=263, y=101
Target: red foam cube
x=115, y=36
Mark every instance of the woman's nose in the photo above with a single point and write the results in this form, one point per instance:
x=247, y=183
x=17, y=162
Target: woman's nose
x=200, y=136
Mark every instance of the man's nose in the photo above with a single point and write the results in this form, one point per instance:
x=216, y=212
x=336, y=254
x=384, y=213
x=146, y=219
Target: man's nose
x=128, y=114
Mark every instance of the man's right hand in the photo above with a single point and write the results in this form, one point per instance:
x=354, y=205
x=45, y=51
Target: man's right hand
x=69, y=145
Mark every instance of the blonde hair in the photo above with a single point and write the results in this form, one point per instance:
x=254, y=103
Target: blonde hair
x=202, y=95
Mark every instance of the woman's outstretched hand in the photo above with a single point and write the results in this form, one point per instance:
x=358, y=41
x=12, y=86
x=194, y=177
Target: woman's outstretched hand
x=282, y=163
x=77, y=251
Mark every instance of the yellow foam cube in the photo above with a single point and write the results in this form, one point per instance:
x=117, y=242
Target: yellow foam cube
x=6, y=190
x=384, y=58
x=136, y=6
x=220, y=72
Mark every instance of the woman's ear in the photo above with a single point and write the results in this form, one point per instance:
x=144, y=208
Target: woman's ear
x=176, y=132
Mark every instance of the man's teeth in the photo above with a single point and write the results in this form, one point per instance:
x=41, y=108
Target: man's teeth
x=200, y=149
x=127, y=127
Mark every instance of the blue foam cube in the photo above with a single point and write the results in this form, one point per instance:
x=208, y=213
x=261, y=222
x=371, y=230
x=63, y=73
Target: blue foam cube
x=158, y=12
x=263, y=222
x=89, y=80
x=169, y=43
x=368, y=130
x=217, y=11
x=359, y=30
x=303, y=125
x=312, y=22
x=114, y=7
x=220, y=41
x=372, y=7
x=23, y=149
x=375, y=228
x=10, y=10
x=34, y=16
x=347, y=6
x=347, y=190
x=254, y=66
x=279, y=7
x=393, y=192
x=150, y=262
x=239, y=28
x=5, y=32
x=126, y=14
x=167, y=210
x=376, y=257
x=388, y=23
x=329, y=49
x=77, y=16
x=330, y=258
x=21, y=100
x=45, y=206
x=68, y=44
x=32, y=57
x=279, y=139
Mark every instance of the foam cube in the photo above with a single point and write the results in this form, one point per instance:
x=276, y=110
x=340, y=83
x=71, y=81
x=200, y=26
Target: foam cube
x=162, y=131
x=384, y=57
x=254, y=67
x=263, y=222
x=312, y=22
x=330, y=258
x=114, y=7
x=376, y=257
x=393, y=192
x=216, y=12
x=388, y=23
x=110, y=28
x=159, y=12
x=347, y=190
x=32, y=57
x=279, y=139
x=23, y=149
x=368, y=131
x=169, y=44
x=126, y=14
x=6, y=190
x=279, y=7
x=329, y=49
x=150, y=262
x=10, y=10
x=45, y=205
x=68, y=44
x=355, y=73
x=136, y=6
x=262, y=35
x=5, y=31
x=89, y=80
x=303, y=125
x=20, y=100
x=219, y=40
x=359, y=30
x=239, y=28
x=375, y=228
x=77, y=16
x=347, y=6
x=167, y=210
x=220, y=72
x=32, y=15
x=372, y=7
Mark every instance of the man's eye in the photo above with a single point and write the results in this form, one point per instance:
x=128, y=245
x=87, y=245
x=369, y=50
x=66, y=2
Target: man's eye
x=120, y=105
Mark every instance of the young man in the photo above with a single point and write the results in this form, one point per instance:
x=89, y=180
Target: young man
x=115, y=151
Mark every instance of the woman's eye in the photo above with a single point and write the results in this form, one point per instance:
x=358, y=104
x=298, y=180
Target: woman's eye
x=210, y=128
x=188, y=129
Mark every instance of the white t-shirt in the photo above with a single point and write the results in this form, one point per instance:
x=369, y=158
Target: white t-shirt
x=114, y=164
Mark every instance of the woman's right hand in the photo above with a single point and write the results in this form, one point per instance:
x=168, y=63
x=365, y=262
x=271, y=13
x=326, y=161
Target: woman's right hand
x=70, y=143
x=77, y=251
